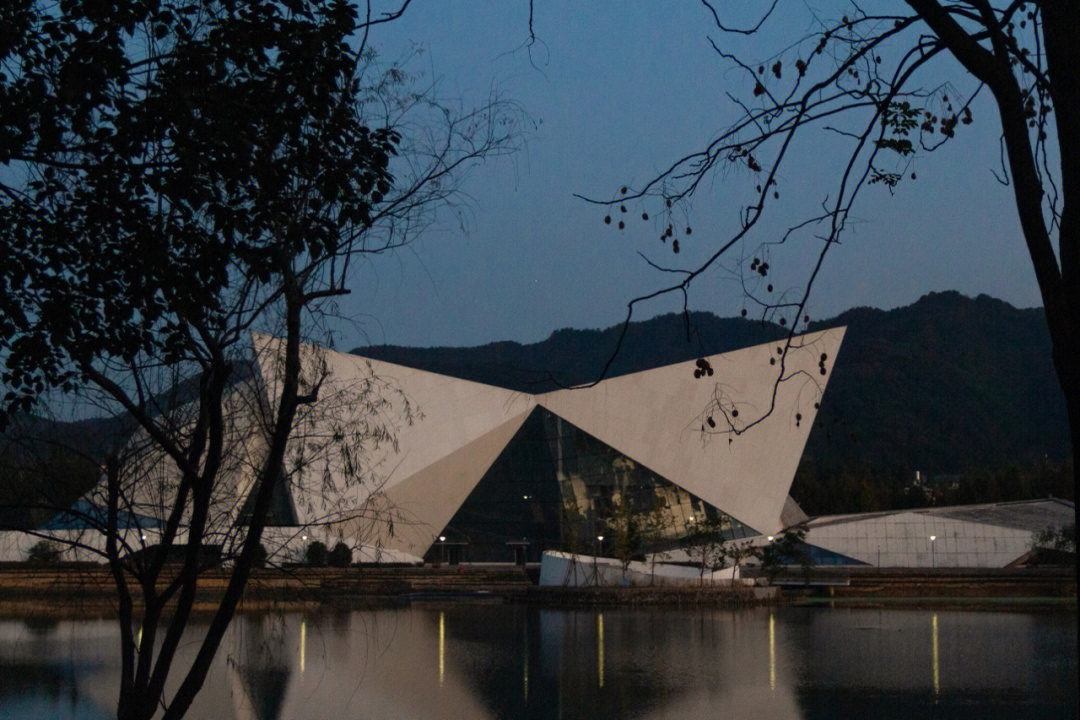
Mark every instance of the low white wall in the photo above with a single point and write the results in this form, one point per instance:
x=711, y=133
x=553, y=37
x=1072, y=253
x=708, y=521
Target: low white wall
x=74, y=545
x=569, y=570
x=903, y=540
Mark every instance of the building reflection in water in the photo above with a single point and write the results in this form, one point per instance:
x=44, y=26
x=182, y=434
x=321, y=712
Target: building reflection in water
x=525, y=661
x=259, y=668
x=303, y=644
x=491, y=661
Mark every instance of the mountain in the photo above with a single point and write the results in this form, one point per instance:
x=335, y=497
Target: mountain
x=572, y=357
x=945, y=384
x=46, y=464
x=950, y=386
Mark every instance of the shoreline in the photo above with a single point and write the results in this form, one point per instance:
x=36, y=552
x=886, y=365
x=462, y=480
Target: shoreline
x=86, y=592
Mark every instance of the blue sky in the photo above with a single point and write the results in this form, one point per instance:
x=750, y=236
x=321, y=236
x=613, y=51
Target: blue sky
x=616, y=91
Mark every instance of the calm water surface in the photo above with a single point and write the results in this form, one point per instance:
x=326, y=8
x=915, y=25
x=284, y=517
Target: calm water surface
x=505, y=661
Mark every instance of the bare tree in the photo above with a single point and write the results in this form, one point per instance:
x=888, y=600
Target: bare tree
x=176, y=176
x=657, y=531
x=738, y=552
x=875, y=76
x=872, y=78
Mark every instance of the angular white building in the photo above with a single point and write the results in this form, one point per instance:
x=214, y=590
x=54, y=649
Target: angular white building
x=404, y=465
x=475, y=473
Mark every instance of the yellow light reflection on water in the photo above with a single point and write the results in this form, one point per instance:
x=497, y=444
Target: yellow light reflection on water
x=934, y=648
x=772, y=652
x=600, y=649
x=442, y=647
x=303, y=644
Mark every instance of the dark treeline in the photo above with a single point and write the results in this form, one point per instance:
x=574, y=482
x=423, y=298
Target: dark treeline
x=822, y=489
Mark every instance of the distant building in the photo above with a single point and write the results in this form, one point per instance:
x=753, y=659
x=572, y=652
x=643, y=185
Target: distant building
x=968, y=536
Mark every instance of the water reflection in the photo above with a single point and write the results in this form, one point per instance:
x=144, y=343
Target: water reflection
x=478, y=662
x=442, y=648
x=772, y=651
x=600, y=650
x=937, y=675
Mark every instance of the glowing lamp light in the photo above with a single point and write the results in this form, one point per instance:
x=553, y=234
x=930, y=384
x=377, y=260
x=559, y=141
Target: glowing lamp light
x=442, y=538
x=933, y=538
x=600, y=538
x=770, y=538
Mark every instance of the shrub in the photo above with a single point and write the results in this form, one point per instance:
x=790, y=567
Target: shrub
x=340, y=556
x=260, y=557
x=1055, y=546
x=789, y=548
x=43, y=552
x=316, y=554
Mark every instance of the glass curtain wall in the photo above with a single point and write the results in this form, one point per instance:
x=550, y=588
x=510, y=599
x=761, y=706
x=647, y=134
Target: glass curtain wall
x=555, y=487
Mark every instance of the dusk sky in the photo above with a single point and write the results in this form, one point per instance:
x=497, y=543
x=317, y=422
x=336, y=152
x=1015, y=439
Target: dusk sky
x=615, y=92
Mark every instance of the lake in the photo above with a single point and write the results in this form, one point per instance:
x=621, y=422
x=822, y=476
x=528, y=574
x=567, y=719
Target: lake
x=512, y=661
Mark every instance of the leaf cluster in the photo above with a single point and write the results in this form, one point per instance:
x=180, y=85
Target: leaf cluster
x=159, y=161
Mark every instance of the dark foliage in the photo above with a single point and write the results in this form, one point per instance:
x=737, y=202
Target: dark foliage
x=43, y=552
x=161, y=158
x=172, y=175
x=316, y=554
x=340, y=556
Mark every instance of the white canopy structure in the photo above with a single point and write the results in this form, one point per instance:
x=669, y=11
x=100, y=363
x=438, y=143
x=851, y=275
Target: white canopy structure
x=400, y=463
x=445, y=436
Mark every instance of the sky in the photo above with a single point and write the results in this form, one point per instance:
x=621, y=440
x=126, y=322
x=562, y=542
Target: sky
x=614, y=92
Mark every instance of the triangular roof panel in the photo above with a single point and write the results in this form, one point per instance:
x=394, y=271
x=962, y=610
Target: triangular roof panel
x=656, y=418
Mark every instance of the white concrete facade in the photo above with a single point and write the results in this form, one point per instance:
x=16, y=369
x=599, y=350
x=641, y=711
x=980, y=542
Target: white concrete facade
x=447, y=432
x=559, y=569
x=387, y=455
x=973, y=536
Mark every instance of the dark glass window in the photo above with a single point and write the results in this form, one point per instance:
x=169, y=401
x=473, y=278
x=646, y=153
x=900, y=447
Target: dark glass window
x=555, y=486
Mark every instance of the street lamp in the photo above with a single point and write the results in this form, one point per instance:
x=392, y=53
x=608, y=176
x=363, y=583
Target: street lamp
x=933, y=562
x=442, y=548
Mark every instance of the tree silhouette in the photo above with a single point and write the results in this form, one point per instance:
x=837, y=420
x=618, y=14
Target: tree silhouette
x=174, y=176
